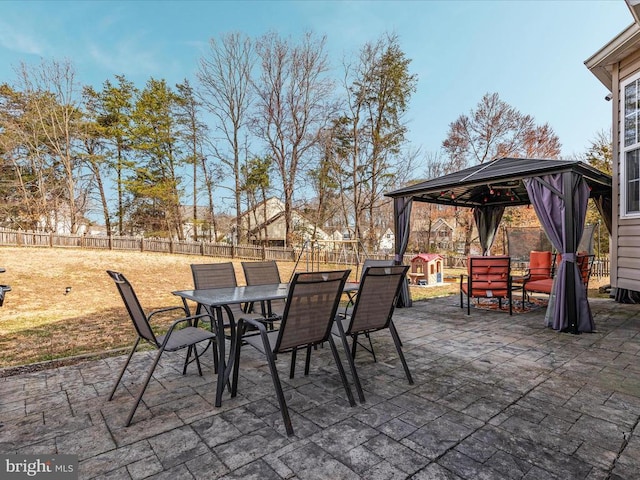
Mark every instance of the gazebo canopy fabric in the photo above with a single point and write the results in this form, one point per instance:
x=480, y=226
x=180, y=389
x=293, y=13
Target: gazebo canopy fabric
x=558, y=190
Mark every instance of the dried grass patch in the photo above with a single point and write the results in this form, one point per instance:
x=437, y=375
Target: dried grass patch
x=38, y=322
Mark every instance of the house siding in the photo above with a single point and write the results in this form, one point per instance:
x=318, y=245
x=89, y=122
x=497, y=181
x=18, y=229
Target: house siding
x=625, y=261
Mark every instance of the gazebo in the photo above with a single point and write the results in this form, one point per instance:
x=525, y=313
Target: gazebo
x=558, y=190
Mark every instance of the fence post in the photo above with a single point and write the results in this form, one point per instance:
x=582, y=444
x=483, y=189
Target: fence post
x=171, y=245
x=142, y=244
x=202, y=248
x=264, y=252
x=110, y=242
x=51, y=240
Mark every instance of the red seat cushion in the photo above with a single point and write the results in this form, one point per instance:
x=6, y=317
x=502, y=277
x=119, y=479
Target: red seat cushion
x=498, y=292
x=540, y=286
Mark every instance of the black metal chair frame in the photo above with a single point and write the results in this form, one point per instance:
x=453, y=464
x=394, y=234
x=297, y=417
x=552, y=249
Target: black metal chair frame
x=275, y=342
x=352, y=297
x=378, y=318
x=175, y=338
x=253, y=278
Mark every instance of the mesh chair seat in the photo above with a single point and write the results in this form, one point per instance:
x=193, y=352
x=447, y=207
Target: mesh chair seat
x=256, y=341
x=183, y=338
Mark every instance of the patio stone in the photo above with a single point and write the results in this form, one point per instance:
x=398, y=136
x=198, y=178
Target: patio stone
x=177, y=446
x=495, y=397
x=313, y=463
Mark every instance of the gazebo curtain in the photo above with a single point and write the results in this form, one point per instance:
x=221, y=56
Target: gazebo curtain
x=605, y=207
x=560, y=201
x=487, y=220
x=402, y=216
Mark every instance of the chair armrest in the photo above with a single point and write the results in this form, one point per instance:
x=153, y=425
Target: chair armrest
x=185, y=319
x=241, y=329
x=256, y=323
x=167, y=309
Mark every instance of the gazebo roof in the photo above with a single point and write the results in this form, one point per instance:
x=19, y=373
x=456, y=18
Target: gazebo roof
x=499, y=182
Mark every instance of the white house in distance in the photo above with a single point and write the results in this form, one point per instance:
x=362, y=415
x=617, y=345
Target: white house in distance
x=617, y=66
x=265, y=224
x=387, y=241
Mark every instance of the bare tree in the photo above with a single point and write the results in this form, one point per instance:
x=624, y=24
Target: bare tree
x=54, y=102
x=194, y=131
x=379, y=87
x=493, y=130
x=225, y=77
x=25, y=191
x=93, y=135
x=294, y=95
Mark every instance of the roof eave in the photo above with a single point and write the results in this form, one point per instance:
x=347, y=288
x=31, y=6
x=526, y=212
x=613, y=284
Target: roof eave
x=600, y=63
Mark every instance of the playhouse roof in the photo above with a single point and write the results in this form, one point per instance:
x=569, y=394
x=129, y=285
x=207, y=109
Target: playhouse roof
x=427, y=257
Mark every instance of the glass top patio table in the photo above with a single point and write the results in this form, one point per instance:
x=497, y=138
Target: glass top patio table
x=215, y=299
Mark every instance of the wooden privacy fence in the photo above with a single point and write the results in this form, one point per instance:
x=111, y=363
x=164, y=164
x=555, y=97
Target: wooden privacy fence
x=305, y=256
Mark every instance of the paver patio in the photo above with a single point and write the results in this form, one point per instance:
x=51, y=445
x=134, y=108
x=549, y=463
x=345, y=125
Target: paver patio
x=494, y=397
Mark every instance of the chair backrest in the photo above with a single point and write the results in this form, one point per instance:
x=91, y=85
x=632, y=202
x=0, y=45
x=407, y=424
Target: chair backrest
x=134, y=308
x=375, y=263
x=261, y=273
x=540, y=265
x=584, y=262
x=489, y=272
x=213, y=275
x=377, y=298
x=311, y=306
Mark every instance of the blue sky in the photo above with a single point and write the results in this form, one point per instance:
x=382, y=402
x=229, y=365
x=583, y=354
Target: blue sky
x=530, y=52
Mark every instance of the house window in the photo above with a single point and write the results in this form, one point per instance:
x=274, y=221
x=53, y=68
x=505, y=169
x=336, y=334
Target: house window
x=630, y=160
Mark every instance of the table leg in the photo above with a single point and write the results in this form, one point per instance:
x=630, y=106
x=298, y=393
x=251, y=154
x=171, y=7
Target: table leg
x=224, y=367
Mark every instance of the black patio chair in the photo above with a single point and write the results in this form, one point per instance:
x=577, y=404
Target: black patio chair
x=311, y=305
x=373, y=310
x=264, y=273
x=352, y=297
x=175, y=338
x=217, y=275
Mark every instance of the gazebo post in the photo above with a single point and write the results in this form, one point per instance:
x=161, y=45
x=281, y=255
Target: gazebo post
x=570, y=248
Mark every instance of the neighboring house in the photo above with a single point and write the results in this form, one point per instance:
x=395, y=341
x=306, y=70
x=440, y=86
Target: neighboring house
x=58, y=221
x=386, y=243
x=442, y=235
x=202, y=225
x=617, y=66
x=96, y=230
x=265, y=224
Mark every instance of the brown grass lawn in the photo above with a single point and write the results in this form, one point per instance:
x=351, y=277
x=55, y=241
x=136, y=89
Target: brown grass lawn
x=38, y=322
